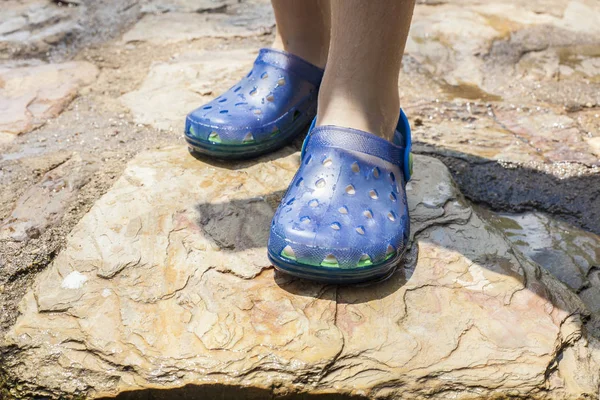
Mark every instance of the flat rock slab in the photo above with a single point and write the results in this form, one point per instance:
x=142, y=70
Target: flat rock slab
x=34, y=26
x=198, y=6
x=29, y=96
x=45, y=203
x=172, y=89
x=456, y=31
x=260, y=8
x=166, y=283
x=242, y=19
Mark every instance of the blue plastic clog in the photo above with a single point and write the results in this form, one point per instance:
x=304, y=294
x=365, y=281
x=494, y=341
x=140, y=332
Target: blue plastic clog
x=344, y=218
x=274, y=103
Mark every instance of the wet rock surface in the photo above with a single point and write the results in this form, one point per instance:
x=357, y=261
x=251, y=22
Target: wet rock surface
x=569, y=254
x=568, y=190
x=147, y=294
x=505, y=94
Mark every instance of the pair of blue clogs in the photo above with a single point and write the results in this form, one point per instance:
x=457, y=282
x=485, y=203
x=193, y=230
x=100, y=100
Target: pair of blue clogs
x=344, y=217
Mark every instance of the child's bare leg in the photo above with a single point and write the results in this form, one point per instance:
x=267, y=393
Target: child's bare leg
x=360, y=86
x=303, y=28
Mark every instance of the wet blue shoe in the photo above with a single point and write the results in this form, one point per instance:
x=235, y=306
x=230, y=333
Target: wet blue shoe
x=273, y=104
x=344, y=218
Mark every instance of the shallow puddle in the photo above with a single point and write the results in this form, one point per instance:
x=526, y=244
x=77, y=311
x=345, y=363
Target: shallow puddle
x=468, y=92
x=583, y=59
x=574, y=55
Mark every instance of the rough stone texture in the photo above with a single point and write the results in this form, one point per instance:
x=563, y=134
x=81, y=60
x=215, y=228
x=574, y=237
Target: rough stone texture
x=165, y=282
x=503, y=133
x=34, y=26
x=462, y=40
x=179, y=86
x=241, y=19
x=594, y=144
x=37, y=209
x=505, y=93
x=197, y=6
x=46, y=202
x=56, y=29
x=31, y=95
x=492, y=57
x=556, y=137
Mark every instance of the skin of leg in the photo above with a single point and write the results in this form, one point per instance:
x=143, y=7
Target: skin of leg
x=303, y=28
x=360, y=85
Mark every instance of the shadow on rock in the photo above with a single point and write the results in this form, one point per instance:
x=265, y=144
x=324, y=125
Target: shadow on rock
x=570, y=194
x=222, y=392
x=238, y=225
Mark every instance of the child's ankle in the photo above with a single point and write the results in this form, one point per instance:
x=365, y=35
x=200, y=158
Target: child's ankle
x=376, y=113
x=308, y=49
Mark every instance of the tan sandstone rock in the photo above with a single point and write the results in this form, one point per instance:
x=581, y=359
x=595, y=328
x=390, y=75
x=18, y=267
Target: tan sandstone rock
x=31, y=95
x=527, y=62
x=595, y=145
x=239, y=19
x=46, y=202
x=172, y=89
x=197, y=6
x=165, y=282
x=34, y=26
